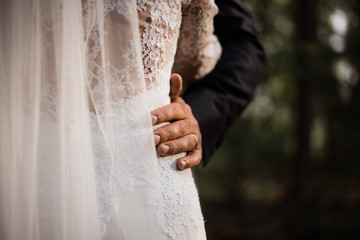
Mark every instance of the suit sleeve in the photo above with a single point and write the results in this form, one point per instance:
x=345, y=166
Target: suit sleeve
x=218, y=99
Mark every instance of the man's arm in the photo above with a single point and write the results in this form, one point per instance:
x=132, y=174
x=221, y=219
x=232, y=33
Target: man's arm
x=219, y=98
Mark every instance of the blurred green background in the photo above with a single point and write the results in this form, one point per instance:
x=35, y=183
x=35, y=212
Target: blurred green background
x=289, y=168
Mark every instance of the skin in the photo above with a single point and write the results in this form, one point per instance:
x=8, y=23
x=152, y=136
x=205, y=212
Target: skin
x=175, y=137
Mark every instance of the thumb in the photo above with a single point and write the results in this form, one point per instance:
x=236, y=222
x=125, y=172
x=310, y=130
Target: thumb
x=175, y=86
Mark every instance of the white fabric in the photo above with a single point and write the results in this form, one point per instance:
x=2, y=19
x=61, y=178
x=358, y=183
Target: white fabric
x=78, y=82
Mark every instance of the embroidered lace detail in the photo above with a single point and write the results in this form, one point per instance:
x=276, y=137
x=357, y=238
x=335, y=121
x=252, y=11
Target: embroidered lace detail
x=198, y=49
x=160, y=24
x=159, y=29
x=120, y=156
x=114, y=179
x=183, y=217
x=121, y=6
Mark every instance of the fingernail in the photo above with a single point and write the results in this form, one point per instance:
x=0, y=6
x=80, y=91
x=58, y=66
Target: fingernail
x=157, y=139
x=163, y=149
x=154, y=119
x=182, y=164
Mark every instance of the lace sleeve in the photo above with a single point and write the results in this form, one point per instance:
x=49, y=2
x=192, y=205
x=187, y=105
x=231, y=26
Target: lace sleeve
x=198, y=48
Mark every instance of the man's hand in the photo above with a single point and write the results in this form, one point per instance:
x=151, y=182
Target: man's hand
x=183, y=133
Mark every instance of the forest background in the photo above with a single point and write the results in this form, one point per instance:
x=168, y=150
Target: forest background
x=289, y=168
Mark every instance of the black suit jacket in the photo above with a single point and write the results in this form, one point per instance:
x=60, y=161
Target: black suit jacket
x=219, y=98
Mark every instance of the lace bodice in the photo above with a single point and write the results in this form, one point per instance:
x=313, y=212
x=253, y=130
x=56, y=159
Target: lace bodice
x=78, y=82
x=170, y=27
x=171, y=31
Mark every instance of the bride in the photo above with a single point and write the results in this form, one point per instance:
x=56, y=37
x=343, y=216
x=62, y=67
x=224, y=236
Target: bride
x=78, y=82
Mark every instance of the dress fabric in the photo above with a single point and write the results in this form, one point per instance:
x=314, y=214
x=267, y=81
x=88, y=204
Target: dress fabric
x=166, y=28
x=78, y=80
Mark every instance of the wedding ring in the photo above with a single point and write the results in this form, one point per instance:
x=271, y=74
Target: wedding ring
x=197, y=140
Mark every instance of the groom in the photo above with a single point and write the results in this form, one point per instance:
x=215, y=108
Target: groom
x=200, y=118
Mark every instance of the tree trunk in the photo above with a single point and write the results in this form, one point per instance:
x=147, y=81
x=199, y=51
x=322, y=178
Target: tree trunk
x=305, y=40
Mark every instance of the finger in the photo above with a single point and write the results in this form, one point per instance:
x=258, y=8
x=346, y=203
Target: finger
x=170, y=112
x=179, y=145
x=175, y=86
x=173, y=130
x=191, y=160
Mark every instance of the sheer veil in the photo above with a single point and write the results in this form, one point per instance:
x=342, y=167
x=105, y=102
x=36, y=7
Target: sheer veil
x=66, y=68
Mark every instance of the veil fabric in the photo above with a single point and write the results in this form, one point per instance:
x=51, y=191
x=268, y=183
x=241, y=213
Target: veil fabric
x=66, y=68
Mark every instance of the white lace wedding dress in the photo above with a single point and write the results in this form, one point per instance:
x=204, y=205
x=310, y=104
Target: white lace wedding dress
x=78, y=80
x=166, y=28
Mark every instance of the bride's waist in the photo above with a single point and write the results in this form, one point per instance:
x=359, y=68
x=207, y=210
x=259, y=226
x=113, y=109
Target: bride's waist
x=157, y=98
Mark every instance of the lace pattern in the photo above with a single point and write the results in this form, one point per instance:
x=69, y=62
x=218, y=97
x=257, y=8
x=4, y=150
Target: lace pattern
x=160, y=25
x=159, y=29
x=76, y=123
x=198, y=49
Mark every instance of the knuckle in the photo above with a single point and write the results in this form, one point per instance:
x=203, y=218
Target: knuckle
x=162, y=134
x=197, y=158
x=167, y=134
x=182, y=109
x=187, y=108
x=172, y=108
x=175, y=130
x=190, y=142
x=177, y=107
x=164, y=113
x=198, y=161
x=194, y=161
x=160, y=116
x=200, y=155
x=195, y=125
x=182, y=127
x=172, y=147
